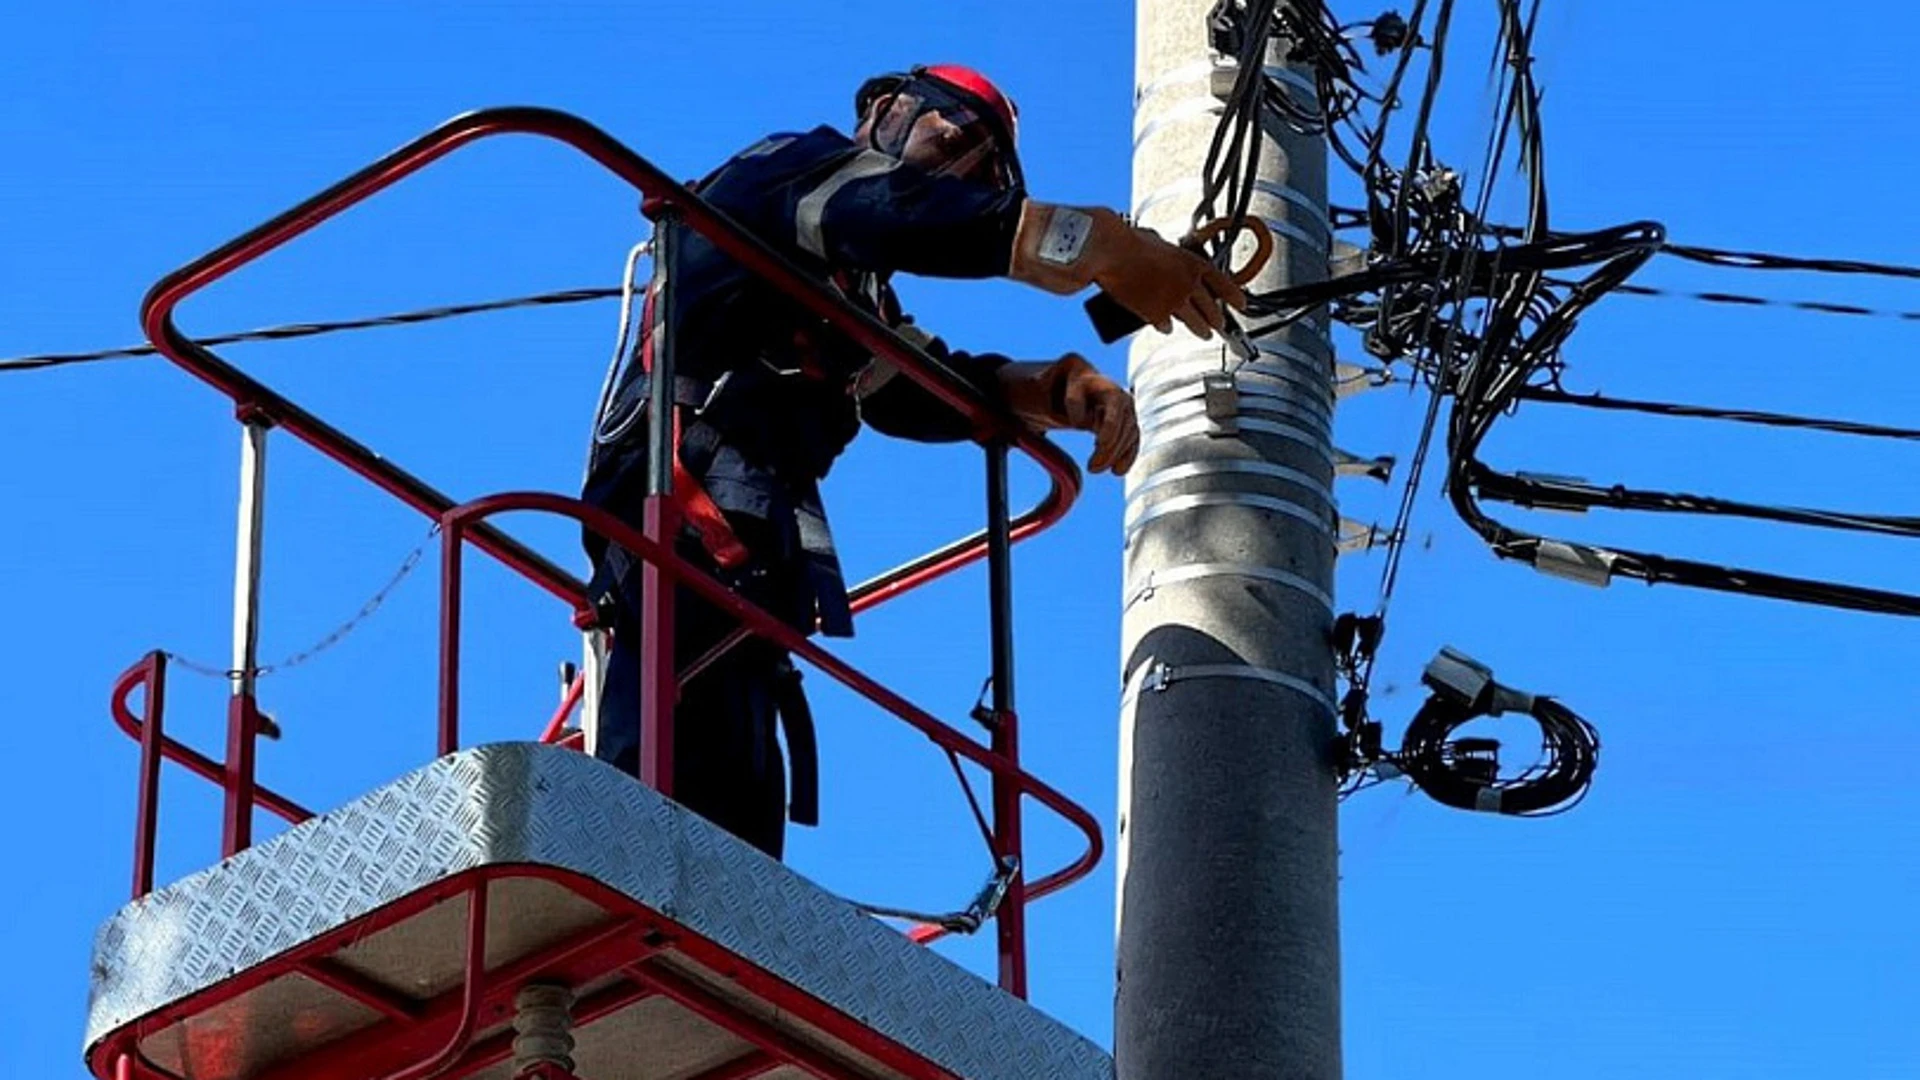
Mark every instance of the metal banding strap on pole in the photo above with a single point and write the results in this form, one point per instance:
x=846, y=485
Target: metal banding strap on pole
x=1204, y=69
x=1282, y=362
x=1191, y=470
x=1293, y=354
x=1170, y=379
x=1283, y=74
x=1318, y=244
x=1159, y=579
x=1278, y=360
x=1181, y=384
x=1190, y=187
x=1169, y=409
x=1203, y=428
x=1282, y=225
x=1194, y=108
x=1180, y=504
x=1154, y=676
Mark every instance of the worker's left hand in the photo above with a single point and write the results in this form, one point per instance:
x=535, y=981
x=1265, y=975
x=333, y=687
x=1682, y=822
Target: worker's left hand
x=1071, y=393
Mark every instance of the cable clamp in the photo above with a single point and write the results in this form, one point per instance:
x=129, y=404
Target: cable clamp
x=1470, y=683
x=1346, y=259
x=986, y=903
x=1575, y=562
x=1225, y=36
x=1459, y=676
x=1156, y=675
x=1347, y=463
x=1541, y=495
x=1222, y=395
x=1351, y=379
x=1356, y=537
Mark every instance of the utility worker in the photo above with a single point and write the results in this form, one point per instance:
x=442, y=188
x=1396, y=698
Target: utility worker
x=768, y=396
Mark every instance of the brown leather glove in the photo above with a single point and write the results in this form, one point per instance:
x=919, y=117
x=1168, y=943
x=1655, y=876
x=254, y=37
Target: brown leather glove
x=1156, y=280
x=1071, y=393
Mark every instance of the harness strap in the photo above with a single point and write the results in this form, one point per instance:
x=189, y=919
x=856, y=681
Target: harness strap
x=700, y=511
x=696, y=505
x=796, y=720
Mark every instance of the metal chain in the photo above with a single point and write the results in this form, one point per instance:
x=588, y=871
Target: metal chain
x=338, y=634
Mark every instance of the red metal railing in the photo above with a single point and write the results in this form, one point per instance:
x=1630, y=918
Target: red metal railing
x=258, y=405
x=255, y=401
x=458, y=522
x=147, y=729
x=441, y=1035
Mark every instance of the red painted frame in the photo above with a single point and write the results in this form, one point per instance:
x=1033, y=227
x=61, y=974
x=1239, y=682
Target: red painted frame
x=1002, y=763
x=439, y=1036
x=256, y=403
x=147, y=729
x=254, y=400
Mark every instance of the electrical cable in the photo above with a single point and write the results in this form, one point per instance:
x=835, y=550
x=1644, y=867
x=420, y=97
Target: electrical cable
x=1818, y=307
x=314, y=329
x=1480, y=313
x=1464, y=773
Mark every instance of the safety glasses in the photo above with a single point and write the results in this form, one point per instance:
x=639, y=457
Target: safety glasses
x=968, y=141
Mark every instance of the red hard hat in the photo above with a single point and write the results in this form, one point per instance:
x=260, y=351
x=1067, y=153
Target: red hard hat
x=979, y=86
x=968, y=82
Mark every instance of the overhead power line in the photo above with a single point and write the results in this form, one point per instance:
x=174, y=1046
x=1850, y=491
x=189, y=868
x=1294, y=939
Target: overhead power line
x=315, y=329
x=1818, y=307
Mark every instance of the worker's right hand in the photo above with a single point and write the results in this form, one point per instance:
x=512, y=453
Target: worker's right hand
x=1161, y=282
x=1156, y=280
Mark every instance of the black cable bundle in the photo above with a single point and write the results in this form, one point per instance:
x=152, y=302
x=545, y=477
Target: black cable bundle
x=1233, y=157
x=1465, y=772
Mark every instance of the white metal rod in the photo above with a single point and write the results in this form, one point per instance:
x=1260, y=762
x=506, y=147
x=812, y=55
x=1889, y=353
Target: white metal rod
x=246, y=562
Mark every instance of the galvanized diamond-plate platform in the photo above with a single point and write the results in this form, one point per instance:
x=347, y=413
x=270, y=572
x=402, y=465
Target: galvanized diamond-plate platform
x=338, y=949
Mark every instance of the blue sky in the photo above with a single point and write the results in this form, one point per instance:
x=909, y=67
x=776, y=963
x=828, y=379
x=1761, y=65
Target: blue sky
x=1733, y=900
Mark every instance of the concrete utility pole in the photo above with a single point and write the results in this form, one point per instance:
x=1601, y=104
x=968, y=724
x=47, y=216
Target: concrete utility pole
x=1229, y=951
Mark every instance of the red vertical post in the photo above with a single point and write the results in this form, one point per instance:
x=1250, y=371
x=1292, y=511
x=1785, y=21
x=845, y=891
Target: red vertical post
x=659, y=686
x=243, y=725
x=146, y=823
x=555, y=731
x=450, y=550
x=1008, y=839
x=1011, y=923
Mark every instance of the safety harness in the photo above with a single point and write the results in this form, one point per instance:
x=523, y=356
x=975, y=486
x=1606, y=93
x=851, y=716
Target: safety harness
x=729, y=413
x=696, y=506
x=697, y=442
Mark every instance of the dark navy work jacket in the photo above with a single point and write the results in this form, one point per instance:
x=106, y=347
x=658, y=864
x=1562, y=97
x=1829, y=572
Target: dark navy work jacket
x=775, y=394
